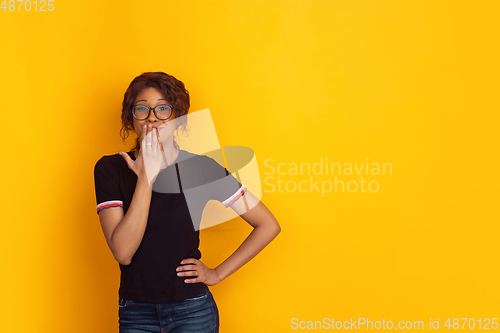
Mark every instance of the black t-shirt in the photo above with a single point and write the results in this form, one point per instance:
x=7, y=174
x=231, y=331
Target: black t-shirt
x=179, y=195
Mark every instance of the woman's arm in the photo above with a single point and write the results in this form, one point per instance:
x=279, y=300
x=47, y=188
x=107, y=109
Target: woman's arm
x=266, y=228
x=124, y=233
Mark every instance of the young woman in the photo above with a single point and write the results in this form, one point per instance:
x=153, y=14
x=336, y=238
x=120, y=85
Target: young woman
x=148, y=224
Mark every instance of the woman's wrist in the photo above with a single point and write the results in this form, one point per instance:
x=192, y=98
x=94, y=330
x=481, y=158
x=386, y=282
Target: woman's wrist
x=143, y=182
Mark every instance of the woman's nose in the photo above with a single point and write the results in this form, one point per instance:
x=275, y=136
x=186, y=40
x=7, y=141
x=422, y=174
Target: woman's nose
x=152, y=117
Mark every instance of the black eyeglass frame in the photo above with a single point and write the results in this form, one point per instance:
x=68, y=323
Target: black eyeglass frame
x=154, y=111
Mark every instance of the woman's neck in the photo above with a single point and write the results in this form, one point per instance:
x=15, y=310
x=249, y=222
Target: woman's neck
x=169, y=156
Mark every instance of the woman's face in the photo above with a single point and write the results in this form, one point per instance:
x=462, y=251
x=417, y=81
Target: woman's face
x=153, y=97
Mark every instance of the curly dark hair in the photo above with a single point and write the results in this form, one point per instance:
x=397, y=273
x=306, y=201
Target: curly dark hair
x=172, y=89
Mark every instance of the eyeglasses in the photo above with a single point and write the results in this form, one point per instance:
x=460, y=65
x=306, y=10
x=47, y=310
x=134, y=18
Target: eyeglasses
x=142, y=112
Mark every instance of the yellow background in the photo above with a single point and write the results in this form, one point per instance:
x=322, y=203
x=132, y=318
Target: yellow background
x=411, y=83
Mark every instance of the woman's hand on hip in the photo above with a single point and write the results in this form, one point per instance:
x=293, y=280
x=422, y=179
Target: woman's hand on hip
x=194, y=267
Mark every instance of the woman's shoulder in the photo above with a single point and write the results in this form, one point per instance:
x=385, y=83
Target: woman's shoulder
x=187, y=156
x=113, y=160
x=201, y=165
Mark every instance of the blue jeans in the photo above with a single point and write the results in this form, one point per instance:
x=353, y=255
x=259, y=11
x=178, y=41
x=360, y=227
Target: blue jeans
x=196, y=315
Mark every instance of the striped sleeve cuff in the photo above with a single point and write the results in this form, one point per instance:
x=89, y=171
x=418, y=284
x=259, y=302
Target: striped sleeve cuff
x=109, y=204
x=232, y=199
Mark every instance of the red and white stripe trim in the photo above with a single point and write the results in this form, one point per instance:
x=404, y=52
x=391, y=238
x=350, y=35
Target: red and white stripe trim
x=109, y=204
x=229, y=201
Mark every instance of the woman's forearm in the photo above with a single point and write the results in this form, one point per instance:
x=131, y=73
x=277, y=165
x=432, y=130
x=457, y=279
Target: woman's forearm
x=128, y=235
x=256, y=241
